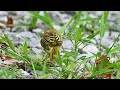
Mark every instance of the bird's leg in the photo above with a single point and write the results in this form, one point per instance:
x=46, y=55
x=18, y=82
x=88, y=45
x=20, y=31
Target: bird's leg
x=56, y=52
x=51, y=56
x=51, y=53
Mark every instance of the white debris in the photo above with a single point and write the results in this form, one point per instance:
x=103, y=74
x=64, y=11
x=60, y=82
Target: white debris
x=24, y=72
x=90, y=49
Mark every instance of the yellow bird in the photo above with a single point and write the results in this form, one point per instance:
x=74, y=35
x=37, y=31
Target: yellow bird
x=51, y=42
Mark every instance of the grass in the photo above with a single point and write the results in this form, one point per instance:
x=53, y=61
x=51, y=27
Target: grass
x=67, y=66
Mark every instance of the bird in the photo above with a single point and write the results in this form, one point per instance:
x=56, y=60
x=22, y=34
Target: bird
x=51, y=42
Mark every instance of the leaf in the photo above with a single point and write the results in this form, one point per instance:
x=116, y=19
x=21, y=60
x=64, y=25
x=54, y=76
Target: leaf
x=47, y=16
x=43, y=19
x=70, y=67
x=74, y=24
x=118, y=74
x=25, y=48
x=9, y=42
x=59, y=60
x=86, y=59
x=13, y=54
x=103, y=23
x=106, y=13
x=105, y=47
x=70, y=76
x=81, y=21
x=34, y=69
x=114, y=50
x=87, y=67
x=78, y=34
x=34, y=19
x=102, y=29
x=44, y=68
x=33, y=22
x=91, y=36
x=26, y=57
x=115, y=65
x=66, y=25
x=38, y=67
x=101, y=71
x=113, y=44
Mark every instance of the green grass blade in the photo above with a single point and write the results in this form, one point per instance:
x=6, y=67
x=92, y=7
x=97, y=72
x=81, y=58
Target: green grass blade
x=59, y=60
x=43, y=19
x=48, y=17
x=102, y=27
x=38, y=67
x=105, y=47
x=2, y=40
x=108, y=51
x=70, y=76
x=78, y=34
x=101, y=71
x=34, y=69
x=44, y=68
x=86, y=20
x=25, y=48
x=113, y=44
x=11, y=45
x=13, y=54
x=103, y=23
x=91, y=36
x=66, y=25
x=116, y=49
x=106, y=13
x=33, y=22
x=86, y=59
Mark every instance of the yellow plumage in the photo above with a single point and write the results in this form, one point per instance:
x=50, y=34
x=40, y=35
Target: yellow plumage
x=51, y=42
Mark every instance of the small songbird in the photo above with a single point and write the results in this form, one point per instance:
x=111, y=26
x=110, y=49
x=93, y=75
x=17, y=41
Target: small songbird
x=51, y=42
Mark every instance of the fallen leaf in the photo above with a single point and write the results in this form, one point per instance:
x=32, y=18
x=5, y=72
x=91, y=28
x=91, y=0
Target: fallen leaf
x=98, y=61
x=9, y=21
x=107, y=76
x=8, y=57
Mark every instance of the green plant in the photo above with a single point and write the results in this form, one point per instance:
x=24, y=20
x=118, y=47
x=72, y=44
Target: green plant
x=81, y=30
x=7, y=72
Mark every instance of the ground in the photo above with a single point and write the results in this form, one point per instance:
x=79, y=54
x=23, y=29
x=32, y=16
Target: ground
x=32, y=36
